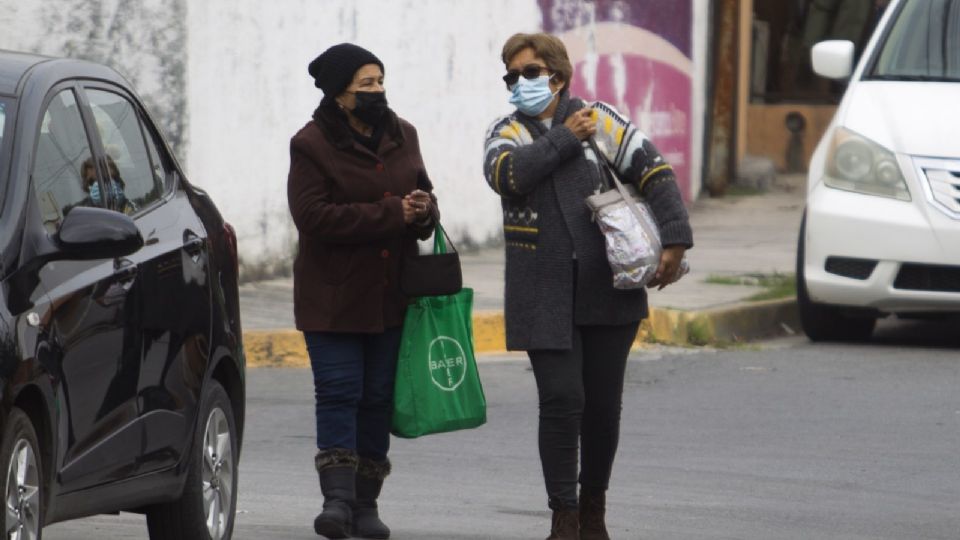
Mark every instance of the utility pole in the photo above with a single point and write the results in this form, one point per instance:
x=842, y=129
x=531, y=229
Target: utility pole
x=723, y=125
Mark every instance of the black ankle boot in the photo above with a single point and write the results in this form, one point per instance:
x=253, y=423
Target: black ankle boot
x=366, y=517
x=337, y=469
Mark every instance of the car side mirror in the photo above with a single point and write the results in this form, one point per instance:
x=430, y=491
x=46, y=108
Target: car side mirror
x=833, y=59
x=86, y=233
x=96, y=233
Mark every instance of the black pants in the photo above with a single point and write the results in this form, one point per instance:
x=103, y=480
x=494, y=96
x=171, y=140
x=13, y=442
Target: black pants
x=581, y=394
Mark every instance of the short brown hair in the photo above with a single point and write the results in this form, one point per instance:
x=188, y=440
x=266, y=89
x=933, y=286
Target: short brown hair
x=546, y=47
x=85, y=168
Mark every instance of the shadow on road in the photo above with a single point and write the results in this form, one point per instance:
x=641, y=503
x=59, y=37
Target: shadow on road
x=930, y=333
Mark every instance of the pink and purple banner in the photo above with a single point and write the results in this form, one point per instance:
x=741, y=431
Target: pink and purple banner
x=635, y=55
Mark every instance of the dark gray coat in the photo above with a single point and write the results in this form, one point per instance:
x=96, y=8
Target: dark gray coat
x=543, y=177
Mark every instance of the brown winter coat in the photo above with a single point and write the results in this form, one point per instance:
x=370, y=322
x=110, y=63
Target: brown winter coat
x=347, y=205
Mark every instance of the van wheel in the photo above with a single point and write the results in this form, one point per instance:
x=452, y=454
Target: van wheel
x=23, y=488
x=822, y=322
x=207, y=507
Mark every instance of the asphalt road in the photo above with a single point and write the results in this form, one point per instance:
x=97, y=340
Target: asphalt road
x=787, y=440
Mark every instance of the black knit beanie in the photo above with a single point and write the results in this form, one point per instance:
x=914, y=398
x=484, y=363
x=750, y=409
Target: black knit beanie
x=333, y=70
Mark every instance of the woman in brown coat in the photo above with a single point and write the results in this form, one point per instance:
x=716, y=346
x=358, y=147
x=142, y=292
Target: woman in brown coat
x=359, y=196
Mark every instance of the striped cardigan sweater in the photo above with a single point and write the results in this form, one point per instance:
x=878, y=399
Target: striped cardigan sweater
x=543, y=177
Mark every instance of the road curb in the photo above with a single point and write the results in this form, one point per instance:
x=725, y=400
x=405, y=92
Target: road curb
x=719, y=326
x=275, y=348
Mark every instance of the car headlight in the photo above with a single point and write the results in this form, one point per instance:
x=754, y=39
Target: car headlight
x=856, y=163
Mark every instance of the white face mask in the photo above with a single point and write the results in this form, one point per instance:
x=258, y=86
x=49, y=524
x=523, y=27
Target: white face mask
x=532, y=96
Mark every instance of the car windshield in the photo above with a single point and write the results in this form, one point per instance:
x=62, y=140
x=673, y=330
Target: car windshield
x=923, y=44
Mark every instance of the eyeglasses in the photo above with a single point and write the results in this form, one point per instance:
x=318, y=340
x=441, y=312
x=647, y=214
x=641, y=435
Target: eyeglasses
x=529, y=72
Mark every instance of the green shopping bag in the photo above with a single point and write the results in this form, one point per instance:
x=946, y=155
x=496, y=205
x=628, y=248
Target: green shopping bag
x=438, y=388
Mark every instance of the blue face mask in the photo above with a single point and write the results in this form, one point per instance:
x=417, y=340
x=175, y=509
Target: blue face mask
x=95, y=192
x=532, y=96
x=115, y=191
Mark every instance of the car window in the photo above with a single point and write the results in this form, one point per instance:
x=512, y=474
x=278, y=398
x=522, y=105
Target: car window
x=6, y=108
x=923, y=43
x=162, y=171
x=3, y=126
x=63, y=170
x=135, y=183
x=3, y=120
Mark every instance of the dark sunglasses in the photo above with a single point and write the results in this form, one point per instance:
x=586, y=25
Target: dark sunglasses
x=529, y=72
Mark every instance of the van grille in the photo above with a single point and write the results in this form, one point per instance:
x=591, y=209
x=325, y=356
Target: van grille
x=941, y=182
x=928, y=277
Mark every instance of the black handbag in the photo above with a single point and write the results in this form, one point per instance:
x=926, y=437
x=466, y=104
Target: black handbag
x=436, y=274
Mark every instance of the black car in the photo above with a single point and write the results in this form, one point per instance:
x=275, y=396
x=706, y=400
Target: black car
x=121, y=360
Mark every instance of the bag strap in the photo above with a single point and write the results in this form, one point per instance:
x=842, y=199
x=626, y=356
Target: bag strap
x=441, y=242
x=616, y=180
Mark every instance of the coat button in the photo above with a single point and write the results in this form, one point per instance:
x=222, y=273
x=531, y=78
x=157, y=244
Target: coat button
x=380, y=167
x=385, y=254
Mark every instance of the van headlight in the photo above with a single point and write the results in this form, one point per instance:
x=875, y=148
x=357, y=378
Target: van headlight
x=858, y=164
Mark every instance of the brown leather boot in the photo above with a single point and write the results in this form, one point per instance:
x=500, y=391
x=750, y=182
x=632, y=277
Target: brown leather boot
x=593, y=509
x=565, y=525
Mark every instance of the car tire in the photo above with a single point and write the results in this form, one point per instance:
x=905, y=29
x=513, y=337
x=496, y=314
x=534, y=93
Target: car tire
x=823, y=322
x=210, y=474
x=23, y=479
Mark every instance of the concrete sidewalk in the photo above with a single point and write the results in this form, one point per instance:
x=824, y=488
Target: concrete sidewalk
x=737, y=235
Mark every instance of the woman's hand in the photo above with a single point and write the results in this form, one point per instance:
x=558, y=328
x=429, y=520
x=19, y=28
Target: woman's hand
x=581, y=123
x=669, y=269
x=409, y=211
x=418, y=202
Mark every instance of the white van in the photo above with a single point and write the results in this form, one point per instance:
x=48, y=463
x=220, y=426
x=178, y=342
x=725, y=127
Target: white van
x=881, y=231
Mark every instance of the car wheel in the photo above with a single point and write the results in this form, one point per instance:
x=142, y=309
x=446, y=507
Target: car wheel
x=23, y=488
x=822, y=322
x=207, y=507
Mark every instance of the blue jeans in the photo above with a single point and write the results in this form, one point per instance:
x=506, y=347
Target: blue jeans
x=353, y=377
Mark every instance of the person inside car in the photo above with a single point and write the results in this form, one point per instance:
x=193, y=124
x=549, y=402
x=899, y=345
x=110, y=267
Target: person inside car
x=117, y=200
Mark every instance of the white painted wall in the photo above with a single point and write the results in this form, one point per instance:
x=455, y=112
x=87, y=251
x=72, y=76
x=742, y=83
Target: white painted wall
x=250, y=92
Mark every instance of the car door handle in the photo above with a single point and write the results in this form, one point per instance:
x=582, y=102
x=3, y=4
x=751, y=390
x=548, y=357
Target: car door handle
x=124, y=271
x=193, y=245
x=114, y=291
x=126, y=275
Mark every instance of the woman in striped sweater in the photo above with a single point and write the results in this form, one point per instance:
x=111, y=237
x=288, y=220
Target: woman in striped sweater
x=560, y=303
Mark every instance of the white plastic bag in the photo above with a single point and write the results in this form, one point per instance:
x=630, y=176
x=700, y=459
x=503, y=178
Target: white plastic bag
x=631, y=237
